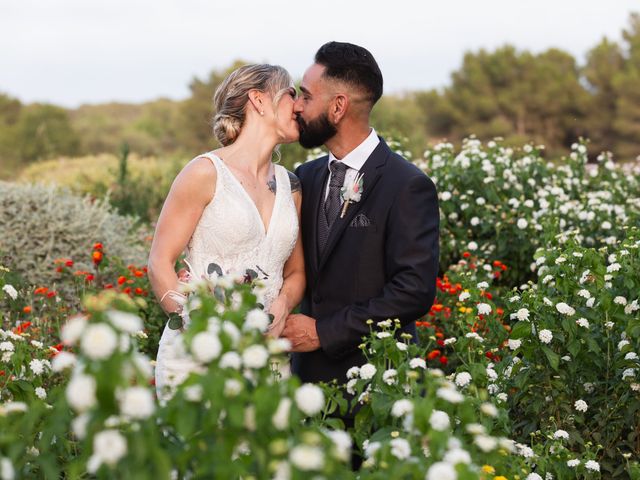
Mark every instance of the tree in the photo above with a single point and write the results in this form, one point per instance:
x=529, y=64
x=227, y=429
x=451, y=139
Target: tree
x=604, y=62
x=627, y=87
x=44, y=131
x=198, y=110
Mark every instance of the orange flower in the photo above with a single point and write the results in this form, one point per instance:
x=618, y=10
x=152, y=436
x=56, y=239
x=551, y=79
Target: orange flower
x=121, y=279
x=97, y=257
x=27, y=309
x=40, y=291
x=139, y=273
x=97, y=246
x=138, y=291
x=433, y=354
x=436, y=307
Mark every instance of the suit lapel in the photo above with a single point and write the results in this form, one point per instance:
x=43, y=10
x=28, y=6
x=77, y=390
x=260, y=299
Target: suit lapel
x=320, y=174
x=372, y=170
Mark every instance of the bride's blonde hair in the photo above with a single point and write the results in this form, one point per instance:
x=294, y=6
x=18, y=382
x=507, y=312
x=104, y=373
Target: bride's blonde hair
x=232, y=95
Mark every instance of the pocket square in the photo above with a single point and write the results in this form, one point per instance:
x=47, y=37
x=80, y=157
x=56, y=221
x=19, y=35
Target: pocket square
x=361, y=220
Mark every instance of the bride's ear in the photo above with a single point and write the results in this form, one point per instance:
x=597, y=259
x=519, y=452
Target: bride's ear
x=256, y=99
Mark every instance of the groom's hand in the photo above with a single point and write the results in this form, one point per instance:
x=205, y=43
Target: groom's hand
x=300, y=330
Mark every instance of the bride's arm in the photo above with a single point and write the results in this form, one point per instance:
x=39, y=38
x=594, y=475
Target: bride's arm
x=294, y=281
x=191, y=191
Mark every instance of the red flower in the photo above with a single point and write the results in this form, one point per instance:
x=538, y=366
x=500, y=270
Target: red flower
x=443, y=360
x=466, y=254
x=69, y=263
x=40, y=291
x=59, y=269
x=27, y=309
x=433, y=354
x=489, y=355
x=89, y=277
x=139, y=273
x=138, y=291
x=127, y=290
x=97, y=257
x=440, y=342
x=51, y=294
x=108, y=286
x=97, y=246
x=121, y=279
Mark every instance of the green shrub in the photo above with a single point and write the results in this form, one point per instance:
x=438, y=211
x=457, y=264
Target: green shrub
x=39, y=224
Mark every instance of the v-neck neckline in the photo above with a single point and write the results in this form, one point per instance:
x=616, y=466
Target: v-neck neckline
x=265, y=230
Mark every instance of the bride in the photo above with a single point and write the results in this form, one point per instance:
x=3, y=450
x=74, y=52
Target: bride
x=233, y=209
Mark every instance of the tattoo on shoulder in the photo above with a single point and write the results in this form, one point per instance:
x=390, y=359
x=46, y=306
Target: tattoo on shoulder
x=295, y=182
x=271, y=183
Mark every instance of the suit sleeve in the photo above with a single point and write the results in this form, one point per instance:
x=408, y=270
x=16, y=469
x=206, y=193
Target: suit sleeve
x=411, y=264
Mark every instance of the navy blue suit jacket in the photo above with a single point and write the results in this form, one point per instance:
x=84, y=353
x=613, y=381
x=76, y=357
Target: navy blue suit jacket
x=384, y=270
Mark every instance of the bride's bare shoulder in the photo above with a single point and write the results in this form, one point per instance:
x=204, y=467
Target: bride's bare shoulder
x=197, y=179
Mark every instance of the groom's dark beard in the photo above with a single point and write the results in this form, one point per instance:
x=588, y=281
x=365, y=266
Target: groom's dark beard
x=316, y=132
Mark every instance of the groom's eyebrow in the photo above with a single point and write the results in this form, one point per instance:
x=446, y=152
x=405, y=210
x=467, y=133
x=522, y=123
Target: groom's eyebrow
x=305, y=91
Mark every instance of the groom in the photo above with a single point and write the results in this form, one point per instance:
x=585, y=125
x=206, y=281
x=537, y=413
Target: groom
x=374, y=258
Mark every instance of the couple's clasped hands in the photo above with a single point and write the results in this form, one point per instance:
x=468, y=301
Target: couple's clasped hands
x=299, y=329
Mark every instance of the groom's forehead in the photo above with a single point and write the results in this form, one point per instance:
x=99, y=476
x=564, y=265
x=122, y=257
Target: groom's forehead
x=312, y=77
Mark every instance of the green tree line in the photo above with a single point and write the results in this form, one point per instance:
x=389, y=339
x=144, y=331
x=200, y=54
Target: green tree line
x=517, y=95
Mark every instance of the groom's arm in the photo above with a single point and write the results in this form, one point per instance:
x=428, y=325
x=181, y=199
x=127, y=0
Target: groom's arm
x=411, y=260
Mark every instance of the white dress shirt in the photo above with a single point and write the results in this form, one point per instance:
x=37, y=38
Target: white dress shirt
x=354, y=160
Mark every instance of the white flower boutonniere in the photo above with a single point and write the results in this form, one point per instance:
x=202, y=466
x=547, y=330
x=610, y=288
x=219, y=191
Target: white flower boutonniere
x=351, y=192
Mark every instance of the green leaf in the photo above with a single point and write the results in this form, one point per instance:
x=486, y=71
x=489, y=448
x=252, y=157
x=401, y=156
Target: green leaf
x=554, y=358
x=175, y=321
x=520, y=330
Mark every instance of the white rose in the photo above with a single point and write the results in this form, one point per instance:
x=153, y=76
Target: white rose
x=439, y=420
x=522, y=314
x=545, y=336
x=441, y=471
x=307, y=458
x=309, y=399
x=98, y=341
x=81, y=392
x=205, y=346
x=231, y=360
x=136, y=402
x=456, y=456
x=11, y=291
x=463, y=379
x=125, y=322
x=109, y=446
x=280, y=418
x=514, y=344
x=581, y=405
x=418, y=363
x=401, y=407
x=522, y=223
x=72, y=330
x=367, y=371
x=341, y=444
x=255, y=356
x=256, y=319
x=400, y=448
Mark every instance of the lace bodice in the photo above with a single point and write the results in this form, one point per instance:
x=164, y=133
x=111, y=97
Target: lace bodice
x=230, y=236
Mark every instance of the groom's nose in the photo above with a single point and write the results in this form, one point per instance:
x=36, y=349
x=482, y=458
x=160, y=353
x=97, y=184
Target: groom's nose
x=297, y=105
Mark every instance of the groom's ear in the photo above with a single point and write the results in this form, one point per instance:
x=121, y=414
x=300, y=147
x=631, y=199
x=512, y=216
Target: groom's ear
x=339, y=108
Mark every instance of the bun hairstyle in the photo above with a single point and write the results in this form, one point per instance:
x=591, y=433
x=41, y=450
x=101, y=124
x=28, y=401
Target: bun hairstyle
x=231, y=97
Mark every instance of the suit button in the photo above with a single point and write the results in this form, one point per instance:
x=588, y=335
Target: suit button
x=317, y=299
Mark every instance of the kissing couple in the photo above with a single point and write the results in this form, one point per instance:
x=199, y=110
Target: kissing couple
x=348, y=237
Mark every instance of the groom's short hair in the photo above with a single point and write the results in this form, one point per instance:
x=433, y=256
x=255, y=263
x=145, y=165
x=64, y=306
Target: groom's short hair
x=353, y=65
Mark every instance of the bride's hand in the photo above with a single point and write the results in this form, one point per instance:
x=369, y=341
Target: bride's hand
x=280, y=312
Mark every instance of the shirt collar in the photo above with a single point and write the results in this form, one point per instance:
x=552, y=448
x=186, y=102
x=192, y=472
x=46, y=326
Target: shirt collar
x=355, y=158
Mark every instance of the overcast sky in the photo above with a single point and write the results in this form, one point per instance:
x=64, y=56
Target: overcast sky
x=71, y=52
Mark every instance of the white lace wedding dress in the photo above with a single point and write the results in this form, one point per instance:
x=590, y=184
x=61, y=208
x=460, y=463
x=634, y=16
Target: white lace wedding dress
x=230, y=236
